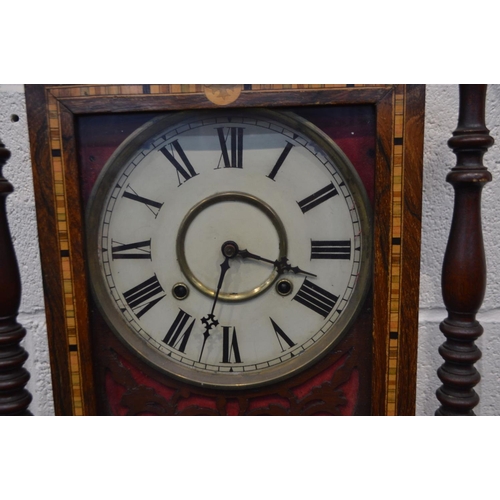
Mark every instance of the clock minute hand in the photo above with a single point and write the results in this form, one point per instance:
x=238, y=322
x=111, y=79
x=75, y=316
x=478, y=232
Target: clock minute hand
x=224, y=267
x=210, y=321
x=281, y=265
x=229, y=250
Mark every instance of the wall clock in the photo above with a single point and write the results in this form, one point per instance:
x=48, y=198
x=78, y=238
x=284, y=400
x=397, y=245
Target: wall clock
x=230, y=250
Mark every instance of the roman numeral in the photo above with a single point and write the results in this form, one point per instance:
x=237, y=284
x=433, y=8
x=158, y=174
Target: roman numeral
x=121, y=251
x=316, y=298
x=138, y=297
x=318, y=197
x=280, y=161
x=236, y=143
x=176, y=337
x=152, y=205
x=282, y=336
x=340, y=249
x=187, y=171
x=230, y=347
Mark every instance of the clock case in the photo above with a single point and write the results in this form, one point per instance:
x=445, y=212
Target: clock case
x=75, y=128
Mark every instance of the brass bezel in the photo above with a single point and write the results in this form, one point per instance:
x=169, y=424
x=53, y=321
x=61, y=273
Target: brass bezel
x=229, y=380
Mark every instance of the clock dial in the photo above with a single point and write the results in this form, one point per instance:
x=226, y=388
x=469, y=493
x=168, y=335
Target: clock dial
x=229, y=249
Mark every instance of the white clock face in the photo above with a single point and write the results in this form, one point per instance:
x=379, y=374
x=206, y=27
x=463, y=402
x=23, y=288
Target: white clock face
x=229, y=249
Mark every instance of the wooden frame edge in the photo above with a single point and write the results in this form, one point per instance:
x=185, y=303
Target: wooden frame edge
x=382, y=96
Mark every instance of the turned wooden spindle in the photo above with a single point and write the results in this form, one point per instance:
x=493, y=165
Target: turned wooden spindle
x=464, y=266
x=14, y=398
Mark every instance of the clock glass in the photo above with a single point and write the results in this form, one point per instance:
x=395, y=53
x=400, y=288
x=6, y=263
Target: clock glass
x=229, y=249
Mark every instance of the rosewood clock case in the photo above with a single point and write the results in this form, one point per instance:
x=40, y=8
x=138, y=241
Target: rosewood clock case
x=74, y=129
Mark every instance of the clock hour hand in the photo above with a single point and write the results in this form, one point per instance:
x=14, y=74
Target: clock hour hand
x=229, y=250
x=245, y=254
x=282, y=265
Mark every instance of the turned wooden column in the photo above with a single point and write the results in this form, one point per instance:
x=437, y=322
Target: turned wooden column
x=14, y=398
x=464, y=266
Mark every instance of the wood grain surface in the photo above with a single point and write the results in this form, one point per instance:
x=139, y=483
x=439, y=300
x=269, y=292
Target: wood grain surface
x=390, y=354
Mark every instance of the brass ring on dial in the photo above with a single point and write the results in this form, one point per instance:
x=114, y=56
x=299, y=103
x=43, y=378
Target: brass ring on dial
x=220, y=198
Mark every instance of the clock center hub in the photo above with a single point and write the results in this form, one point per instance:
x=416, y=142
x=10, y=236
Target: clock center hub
x=217, y=228
x=230, y=249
